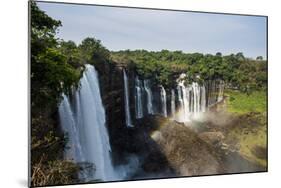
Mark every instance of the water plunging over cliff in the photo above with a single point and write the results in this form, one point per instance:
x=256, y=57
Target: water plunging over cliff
x=173, y=104
x=191, y=99
x=84, y=123
x=163, y=101
x=149, y=97
x=127, y=104
x=138, y=98
x=184, y=110
x=203, y=98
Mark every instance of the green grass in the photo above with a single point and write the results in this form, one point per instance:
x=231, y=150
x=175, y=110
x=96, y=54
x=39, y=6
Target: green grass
x=250, y=132
x=242, y=103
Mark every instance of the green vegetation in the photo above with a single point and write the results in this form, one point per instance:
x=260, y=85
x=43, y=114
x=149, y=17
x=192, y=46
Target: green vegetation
x=56, y=67
x=241, y=103
x=249, y=133
x=239, y=72
x=250, y=130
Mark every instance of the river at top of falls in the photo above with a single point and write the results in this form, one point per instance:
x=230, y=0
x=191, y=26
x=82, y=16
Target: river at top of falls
x=84, y=123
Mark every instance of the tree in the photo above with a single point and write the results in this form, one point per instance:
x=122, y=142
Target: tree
x=70, y=50
x=240, y=56
x=50, y=73
x=219, y=54
x=92, y=51
x=259, y=58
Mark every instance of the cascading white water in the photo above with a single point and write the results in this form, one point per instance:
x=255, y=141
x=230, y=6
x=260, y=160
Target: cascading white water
x=180, y=114
x=191, y=99
x=173, y=104
x=127, y=104
x=84, y=123
x=163, y=101
x=196, y=99
x=69, y=126
x=203, y=99
x=138, y=98
x=183, y=98
x=149, y=97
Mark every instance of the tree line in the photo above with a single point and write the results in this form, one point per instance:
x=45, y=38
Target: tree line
x=239, y=72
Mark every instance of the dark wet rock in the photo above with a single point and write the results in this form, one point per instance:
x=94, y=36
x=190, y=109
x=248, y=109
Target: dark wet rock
x=186, y=152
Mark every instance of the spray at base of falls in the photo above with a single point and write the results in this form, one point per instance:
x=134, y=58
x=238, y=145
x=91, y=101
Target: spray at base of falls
x=84, y=124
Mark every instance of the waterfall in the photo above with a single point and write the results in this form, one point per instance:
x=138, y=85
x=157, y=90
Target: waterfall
x=84, y=124
x=138, y=98
x=185, y=94
x=127, y=104
x=192, y=99
x=163, y=101
x=68, y=123
x=149, y=97
x=203, y=99
x=184, y=102
x=181, y=105
x=173, y=104
x=196, y=99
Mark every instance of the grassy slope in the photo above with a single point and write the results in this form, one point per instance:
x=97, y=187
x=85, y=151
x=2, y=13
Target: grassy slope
x=251, y=131
x=242, y=103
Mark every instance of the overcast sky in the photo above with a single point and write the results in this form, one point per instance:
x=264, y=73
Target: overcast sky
x=128, y=28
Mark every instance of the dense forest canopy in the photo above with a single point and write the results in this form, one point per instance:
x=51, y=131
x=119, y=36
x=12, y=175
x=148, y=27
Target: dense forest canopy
x=240, y=72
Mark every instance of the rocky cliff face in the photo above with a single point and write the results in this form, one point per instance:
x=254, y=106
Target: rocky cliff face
x=125, y=140
x=148, y=102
